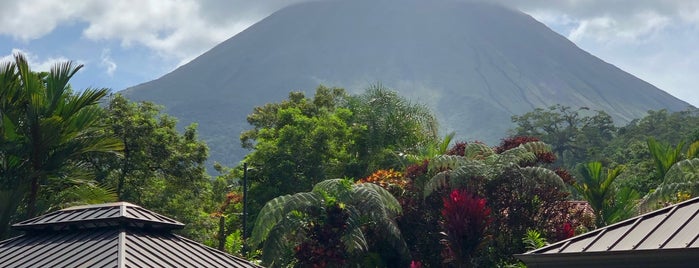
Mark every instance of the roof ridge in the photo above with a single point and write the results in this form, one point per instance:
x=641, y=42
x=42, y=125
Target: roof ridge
x=102, y=215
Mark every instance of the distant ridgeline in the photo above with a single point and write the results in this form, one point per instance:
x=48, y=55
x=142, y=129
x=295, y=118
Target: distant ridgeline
x=474, y=64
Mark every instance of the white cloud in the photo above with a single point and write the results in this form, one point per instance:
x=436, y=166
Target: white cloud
x=35, y=63
x=27, y=20
x=174, y=29
x=107, y=62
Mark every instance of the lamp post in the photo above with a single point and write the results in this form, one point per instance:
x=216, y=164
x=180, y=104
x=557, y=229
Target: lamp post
x=245, y=207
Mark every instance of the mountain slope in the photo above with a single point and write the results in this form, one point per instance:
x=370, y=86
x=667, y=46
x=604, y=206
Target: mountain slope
x=475, y=64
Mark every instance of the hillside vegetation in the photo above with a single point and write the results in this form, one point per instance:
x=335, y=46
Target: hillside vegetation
x=337, y=178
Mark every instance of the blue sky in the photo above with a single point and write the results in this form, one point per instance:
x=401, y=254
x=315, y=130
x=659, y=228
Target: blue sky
x=126, y=42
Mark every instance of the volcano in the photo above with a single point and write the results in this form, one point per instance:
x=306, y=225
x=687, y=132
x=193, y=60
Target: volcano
x=474, y=64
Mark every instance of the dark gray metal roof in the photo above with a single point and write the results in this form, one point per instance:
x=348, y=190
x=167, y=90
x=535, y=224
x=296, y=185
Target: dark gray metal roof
x=93, y=216
x=110, y=235
x=672, y=230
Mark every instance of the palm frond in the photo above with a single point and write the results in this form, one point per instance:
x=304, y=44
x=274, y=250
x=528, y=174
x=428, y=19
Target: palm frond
x=457, y=177
x=478, y=151
x=280, y=242
x=354, y=240
x=512, y=157
x=438, y=181
x=693, y=150
x=337, y=188
x=543, y=176
x=537, y=147
x=276, y=209
x=443, y=162
x=682, y=177
x=376, y=197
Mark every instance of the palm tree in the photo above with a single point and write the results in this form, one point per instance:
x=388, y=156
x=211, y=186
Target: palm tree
x=597, y=189
x=678, y=177
x=681, y=178
x=47, y=130
x=285, y=222
x=664, y=156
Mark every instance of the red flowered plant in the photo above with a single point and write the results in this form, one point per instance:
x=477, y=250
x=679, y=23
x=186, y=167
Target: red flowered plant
x=567, y=231
x=466, y=217
x=415, y=264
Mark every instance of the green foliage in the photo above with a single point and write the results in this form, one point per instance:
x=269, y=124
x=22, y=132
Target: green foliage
x=280, y=224
x=664, y=156
x=393, y=125
x=533, y=240
x=161, y=168
x=300, y=141
x=455, y=171
x=46, y=134
x=681, y=179
x=596, y=187
x=575, y=135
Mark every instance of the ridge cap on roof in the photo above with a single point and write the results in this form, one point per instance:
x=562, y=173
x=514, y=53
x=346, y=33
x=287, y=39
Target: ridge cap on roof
x=99, y=215
x=104, y=205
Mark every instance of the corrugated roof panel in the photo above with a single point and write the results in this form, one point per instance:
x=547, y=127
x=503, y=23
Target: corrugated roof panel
x=685, y=236
x=608, y=238
x=81, y=249
x=639, y=232
x=672, y=230
x=667, y=229
x=579, y=245
x=110, y=235
x=174, y=251
x=57, y=249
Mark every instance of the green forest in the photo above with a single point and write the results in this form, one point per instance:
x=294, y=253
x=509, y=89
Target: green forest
x=337, y=179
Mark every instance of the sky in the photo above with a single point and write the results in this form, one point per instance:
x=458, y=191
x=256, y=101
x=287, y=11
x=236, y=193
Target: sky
x=122, y=43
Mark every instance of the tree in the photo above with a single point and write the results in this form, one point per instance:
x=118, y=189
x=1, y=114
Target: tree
x=394, y=126
x=598, y=189
x=574, y=135
x=161, y=168
x=326, y=225
x=664, y=156
x=300, y=141
x=47, y=132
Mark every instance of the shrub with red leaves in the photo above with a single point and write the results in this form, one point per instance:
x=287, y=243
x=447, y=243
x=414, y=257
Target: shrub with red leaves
x=417, y=170
x=466, y=217
x=513, y=142
x=324, y=246
x=458, y=149
x=565, y=175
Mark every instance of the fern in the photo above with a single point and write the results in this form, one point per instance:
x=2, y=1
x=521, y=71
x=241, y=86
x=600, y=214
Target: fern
x=281, y=222
x=537, y=147
x=443, y=162
x=683, y=176
x=478, y=151
x=543, y=176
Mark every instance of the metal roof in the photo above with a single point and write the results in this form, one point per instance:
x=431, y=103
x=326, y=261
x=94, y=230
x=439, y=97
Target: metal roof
x=673, y=230
x=93, y=216
x=110, y=235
